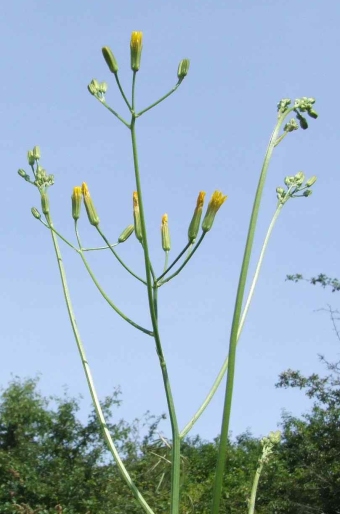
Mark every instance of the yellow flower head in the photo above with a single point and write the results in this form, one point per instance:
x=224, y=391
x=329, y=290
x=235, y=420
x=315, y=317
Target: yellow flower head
x=217, y=199
x=76, y=202
x=136, y=217
x=136, y=45
x=200, y=200
x=166, y=244
x=85, y=189
x=89, y=206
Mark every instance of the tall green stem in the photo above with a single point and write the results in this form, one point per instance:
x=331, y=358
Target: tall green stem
x=122, y=470
x=152, y=298
x=236, y=321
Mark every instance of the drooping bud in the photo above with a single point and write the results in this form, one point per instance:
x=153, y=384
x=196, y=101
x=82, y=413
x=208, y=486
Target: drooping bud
x=136, y=217
x=302, y=121
x=196, y=218
x=136, y=49
x=126, y=234
x=311, y=181
x=307, y=192
x=183, y=69
x=45, y=204
x=89, y=206
x=76, y=202
x=110, y=59
x=312, y=113
x=36, y=213
x=215, y=203
x=166, y=244
x=23, y=174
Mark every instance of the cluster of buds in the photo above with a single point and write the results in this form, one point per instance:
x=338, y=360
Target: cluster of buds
x=98, y=89
x=295, y=184
x=33, y=155
x=303, y=104
x=136, y=46
x=268, y=444
x=42, y=179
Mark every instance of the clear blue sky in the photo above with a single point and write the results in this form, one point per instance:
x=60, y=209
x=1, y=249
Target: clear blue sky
x=212, y=134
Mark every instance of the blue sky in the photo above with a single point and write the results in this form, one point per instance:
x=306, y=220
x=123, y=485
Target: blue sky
x=212, y=134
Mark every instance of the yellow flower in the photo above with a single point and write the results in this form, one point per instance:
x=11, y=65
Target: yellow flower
x=136, y=217
x=76, y=202
x=89, y=206
x=217, y=199
x=136, y=49
x=166, y=244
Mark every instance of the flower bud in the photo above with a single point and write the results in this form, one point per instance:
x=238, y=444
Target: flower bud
x=289, y=181
x=36, y=152
x=196, y=219
x=110, y=59
x=93, y=87
x=311, y=181
x=312, y=113
x=136, y=217
x=136, y=49
x=36, y=213
x=89, y=206
x=307, y=192
x=275, y=437
x=299, y=178
x=302, y=121
x=45, y=204
x=166, y=244
x=30, y=157
x=76, y=202
x=215, y=203
x=126, y=234
x=22, y=174
x=183, y=69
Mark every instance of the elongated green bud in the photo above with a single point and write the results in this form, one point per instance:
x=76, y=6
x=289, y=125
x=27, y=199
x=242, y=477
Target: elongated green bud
x=36, y=152
x=136, y=47
x=126, y=234
x=215, y=203
x=136, y=217
x=311, y=181
x=89, y=206
x=23, y=174
x=76, y=202
x=45, y=204
x=30, y=157
x=196, y=219
x=36, y=213
x=183, y=69
x=166, y=243
x=110, y=59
